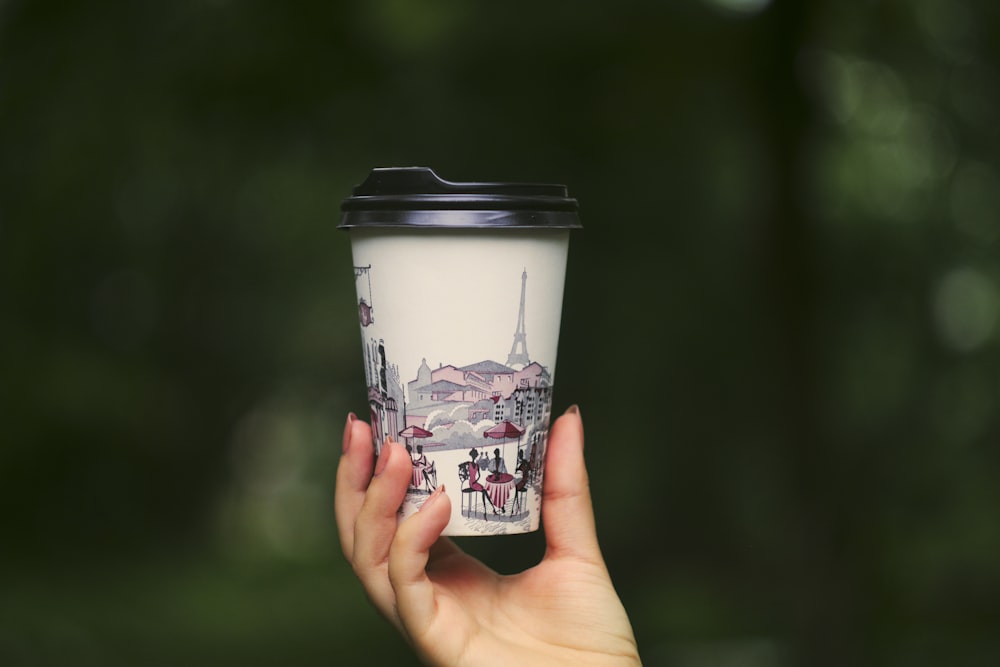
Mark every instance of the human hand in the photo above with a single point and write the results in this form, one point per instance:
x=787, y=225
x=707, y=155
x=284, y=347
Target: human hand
x=451, y=607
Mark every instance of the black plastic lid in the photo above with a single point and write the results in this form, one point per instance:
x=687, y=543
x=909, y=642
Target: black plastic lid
x=417, y=197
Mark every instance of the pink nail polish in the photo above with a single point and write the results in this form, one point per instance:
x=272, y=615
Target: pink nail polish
x=347, y=432
x=431, y=498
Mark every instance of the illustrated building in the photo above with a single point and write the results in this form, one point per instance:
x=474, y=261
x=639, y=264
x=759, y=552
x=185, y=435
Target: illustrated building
x=385, y=392
x=519, y=391
x=492, y=390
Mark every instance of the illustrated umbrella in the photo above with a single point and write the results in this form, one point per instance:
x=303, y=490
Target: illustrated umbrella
x=414, y=432
x=504, y=431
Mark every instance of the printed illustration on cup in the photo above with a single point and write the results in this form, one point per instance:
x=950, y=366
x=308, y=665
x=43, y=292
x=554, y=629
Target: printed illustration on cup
x=480, y=428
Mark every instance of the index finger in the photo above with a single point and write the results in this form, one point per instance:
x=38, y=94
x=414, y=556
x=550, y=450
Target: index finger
x=354, y=473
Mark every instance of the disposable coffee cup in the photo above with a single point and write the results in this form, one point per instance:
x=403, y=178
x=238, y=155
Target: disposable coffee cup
x=459, y=289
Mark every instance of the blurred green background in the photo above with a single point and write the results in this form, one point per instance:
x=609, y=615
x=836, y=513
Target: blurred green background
x=780, y=320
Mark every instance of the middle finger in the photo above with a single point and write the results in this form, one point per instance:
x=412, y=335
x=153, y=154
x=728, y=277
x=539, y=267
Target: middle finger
x=375, y=526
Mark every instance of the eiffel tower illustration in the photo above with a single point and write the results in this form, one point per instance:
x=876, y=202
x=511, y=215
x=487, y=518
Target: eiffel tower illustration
x=519, y=350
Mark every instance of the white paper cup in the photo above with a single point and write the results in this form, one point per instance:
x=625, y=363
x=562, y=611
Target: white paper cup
x=460, y=290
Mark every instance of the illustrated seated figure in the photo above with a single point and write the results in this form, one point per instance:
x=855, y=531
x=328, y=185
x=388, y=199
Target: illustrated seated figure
x=417, y=476
x=497, y=466
x=524, y=469
x=424, y=468
x=475, y=486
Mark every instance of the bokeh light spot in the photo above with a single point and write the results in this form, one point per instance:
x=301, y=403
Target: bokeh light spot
x=864, y=95
x=268, y=451
x=966, y=304
x=740, y=6
x=276, y=504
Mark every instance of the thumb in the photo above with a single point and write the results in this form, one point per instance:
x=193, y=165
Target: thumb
x=567, y=510
x=408, y=559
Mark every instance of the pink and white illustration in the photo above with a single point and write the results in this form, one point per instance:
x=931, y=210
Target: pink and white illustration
x=477, y=425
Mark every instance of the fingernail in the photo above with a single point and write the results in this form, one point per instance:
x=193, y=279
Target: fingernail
x=574, y=410
x=347, y=432
x=431, y=498
x=383, y=456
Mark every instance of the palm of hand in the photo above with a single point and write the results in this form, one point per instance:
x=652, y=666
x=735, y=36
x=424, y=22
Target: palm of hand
x=560, y=611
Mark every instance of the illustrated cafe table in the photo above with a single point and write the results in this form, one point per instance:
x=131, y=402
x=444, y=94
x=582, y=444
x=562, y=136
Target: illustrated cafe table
x=498, y=487
x=418, y=475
